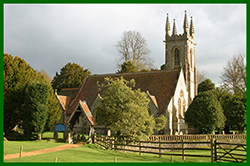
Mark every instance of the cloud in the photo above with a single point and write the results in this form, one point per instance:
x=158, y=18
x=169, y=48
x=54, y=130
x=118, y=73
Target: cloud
x=49, y=36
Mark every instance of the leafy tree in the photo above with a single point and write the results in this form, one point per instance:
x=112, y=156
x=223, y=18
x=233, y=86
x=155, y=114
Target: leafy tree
x=206, y=85
x=125, y=110
x=205, y=113
x=16, y=74
x=71, y=76
x=35, y=104
x=54, y=112
x=160, y=122
x=133, y=47
x=234, y=110
x=127, y=67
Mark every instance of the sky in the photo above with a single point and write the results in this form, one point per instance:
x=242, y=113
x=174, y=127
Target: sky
x=49, y=36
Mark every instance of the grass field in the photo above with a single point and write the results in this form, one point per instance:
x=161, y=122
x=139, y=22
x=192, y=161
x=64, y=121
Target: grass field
x=11, y=147
x=93, y=153
x=89, y=153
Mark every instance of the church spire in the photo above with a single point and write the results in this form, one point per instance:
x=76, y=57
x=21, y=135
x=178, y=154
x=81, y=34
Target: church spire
x=167, y=26
x=185, y=25
x=191, y=27
x=174, y=29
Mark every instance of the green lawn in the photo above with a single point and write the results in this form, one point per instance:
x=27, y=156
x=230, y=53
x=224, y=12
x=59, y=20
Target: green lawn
x=11, y=147
x=90, y=153
x=93, y=153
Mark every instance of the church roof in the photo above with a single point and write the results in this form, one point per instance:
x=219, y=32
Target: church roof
x=154, y=100
x=160, y=84
x=69, y=91
x=76, y=113
x=64, y=101
x=87, y=112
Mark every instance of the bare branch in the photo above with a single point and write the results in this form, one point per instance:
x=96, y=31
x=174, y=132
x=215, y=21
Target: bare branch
x=234, y=73
x=201, y=76
x=133, y=47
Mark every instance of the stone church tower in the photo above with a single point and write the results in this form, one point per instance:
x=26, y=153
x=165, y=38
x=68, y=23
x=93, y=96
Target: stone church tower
x=180, y=53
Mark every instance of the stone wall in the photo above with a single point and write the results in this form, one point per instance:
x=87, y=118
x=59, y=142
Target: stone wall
x=176, y=144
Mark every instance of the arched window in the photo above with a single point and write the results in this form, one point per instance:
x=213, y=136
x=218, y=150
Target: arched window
x=180, y=107
x=176, y=57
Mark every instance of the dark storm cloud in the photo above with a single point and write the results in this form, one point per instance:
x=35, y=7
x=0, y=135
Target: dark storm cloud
x=49, y=36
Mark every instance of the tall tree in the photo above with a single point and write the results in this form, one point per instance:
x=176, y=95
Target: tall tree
x=206, y=85
x=35, y=105
x=54, y=111
x=71, y=76
x=16, y=75
x=205, y=113
x=234, y=108
x=125, y=110
x=133, y=47
x=234, y=74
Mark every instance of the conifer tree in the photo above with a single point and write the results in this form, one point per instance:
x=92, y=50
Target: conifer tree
x=35, y=104
x=16, y=75
x=54, y=111
x=71, y=76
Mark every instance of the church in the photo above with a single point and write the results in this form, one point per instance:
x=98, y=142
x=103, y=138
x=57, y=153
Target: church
x=170, y=91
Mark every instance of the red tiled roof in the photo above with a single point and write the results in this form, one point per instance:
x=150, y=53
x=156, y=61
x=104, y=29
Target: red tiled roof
x=69, y=89
x=154, y=100
x=87, y=112
x=160, y=84
x=69, y=92
x=65, y=101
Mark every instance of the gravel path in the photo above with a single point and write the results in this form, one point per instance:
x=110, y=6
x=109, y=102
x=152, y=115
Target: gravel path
x=42, y=151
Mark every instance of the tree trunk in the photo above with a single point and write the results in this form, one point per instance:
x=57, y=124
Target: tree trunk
x=40, y=136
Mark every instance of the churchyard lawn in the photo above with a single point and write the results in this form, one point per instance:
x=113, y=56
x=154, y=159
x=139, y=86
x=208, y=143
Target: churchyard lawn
x=94, y=153
x=85, y=153
x=89, y=153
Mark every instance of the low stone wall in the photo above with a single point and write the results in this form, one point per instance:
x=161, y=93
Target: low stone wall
x=177, y=144
x=196, y=137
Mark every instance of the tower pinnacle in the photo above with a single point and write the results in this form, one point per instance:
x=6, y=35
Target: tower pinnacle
x=167, y=26
x=174, y=29
x=191, y=27
x=185, y=24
